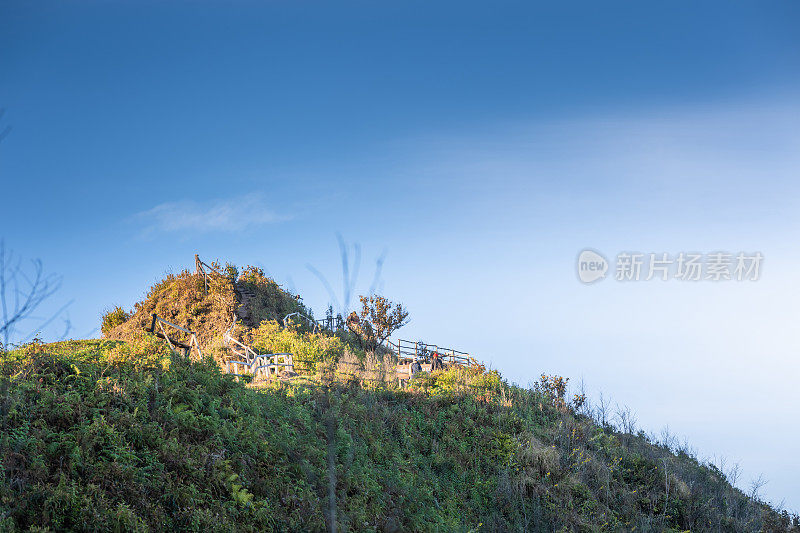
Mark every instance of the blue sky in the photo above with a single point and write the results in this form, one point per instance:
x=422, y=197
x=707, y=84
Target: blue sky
x=481, y=146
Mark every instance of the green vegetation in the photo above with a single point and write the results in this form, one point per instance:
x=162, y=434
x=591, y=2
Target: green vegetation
x=109, y=435
x=121, y=434
x=310, y=350
x=270, y=301
x=378, y=319
x=112, y=319
x=184, y=300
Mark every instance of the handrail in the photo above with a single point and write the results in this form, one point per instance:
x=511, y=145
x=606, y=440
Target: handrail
x=309, y=320
x=406, y=349
x=200, y=268
x=269, y=362
x=331, y=323
x=230, y=329
x=193, y=343
x=202, y=265
x=252, y=361
x=422, y=348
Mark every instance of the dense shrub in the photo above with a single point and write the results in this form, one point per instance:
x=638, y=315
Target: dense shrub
x=271, y=301
x=99, y=436
x=309, y=349
x=113, y=318
x=185, y=300
x=106, y=435
x=124, y=435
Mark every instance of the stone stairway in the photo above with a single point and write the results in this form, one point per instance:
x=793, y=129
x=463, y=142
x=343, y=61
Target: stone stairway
x=245, y=296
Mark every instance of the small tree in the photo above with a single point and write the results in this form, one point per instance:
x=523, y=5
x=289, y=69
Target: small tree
x=378, y=319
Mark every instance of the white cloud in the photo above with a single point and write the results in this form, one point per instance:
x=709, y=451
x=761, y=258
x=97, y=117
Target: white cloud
x=220, y=215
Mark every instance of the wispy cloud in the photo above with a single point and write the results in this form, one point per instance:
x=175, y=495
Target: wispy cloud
x=219, y=215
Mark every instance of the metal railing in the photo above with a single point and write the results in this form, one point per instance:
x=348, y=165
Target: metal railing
x=310, y=322
x=162, y=334
x=331, y=323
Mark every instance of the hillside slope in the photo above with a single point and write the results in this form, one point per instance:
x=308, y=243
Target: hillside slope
x=111, y=435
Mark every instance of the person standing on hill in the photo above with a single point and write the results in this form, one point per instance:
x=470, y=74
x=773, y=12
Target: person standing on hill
x=436, y=362
x=415, y=366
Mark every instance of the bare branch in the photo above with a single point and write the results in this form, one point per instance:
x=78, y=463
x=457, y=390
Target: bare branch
x=21, y=295
x=756, y=486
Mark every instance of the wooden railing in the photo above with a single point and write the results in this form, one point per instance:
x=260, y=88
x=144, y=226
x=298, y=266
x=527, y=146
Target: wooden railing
x=162, y=334
x=267, y=365
x=205, y=270
x=251, y=362
x=271, y=364
x=240, y=350
x=407, y=351
x=248, y=360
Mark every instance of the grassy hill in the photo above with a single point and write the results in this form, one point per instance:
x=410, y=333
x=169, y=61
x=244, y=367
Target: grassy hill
x=123, y=435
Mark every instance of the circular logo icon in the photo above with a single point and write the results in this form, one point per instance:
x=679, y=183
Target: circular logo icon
x=591, y=266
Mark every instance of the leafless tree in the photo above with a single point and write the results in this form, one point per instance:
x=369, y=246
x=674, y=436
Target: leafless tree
x=734, y=473
x=24, y=287
x=668, y=439
x=23, y=291
x=686, y=449
x=586, y=408
x=733, y=477
x=602, y=410
x=755, y=487
x=627, y=419
x=722, y=465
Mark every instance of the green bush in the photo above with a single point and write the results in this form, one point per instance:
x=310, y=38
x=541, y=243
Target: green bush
x=271, y=301
x=100, y=436
x=125, y=436
x=113, y=318
x=309, y=350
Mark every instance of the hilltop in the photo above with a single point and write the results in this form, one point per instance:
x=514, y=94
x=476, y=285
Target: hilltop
x=208, y=304
x=125, y=434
